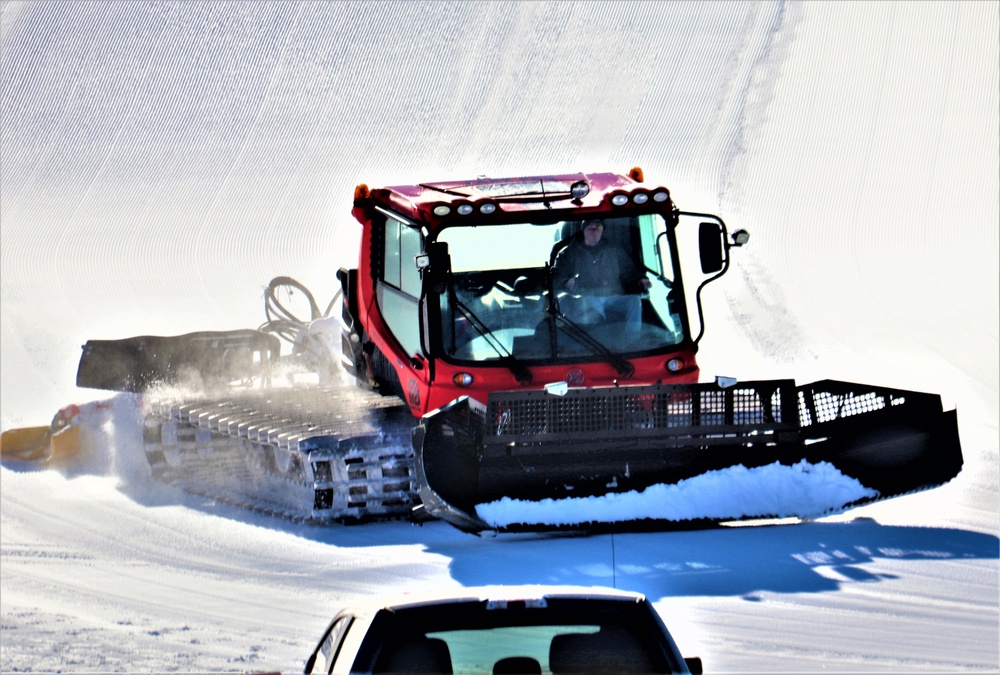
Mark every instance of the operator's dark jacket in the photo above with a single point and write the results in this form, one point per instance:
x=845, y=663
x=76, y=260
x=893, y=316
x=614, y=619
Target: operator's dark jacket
x=604, y=269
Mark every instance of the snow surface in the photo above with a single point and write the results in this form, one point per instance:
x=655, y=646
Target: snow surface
x=161, y=161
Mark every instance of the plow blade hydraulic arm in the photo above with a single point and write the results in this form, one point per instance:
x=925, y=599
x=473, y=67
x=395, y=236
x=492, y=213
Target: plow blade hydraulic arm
x=532, y=447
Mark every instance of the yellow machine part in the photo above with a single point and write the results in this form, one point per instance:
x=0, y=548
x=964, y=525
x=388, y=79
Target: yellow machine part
x=44, y=444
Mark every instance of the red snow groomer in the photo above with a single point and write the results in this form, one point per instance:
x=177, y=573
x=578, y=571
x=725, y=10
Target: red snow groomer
x=539, y=332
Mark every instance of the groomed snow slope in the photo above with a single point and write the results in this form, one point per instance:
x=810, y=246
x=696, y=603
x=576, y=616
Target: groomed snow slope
x=161, y=161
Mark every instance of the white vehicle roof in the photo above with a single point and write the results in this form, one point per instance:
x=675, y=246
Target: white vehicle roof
x=495, y=593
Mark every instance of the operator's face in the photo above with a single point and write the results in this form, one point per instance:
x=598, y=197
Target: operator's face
x=592, y=232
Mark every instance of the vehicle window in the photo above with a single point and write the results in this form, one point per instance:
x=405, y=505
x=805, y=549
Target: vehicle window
x=500, y=247
x=402, y=314
x=399, y=293
x=402, y=245
x=477, y=651
x=391, y=267
x=563, y=636
x=655, y=248
x=326, y=654
x=409, y=248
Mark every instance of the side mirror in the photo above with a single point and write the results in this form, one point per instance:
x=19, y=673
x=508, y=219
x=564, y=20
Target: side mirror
x=711, y=246
x=435, y=265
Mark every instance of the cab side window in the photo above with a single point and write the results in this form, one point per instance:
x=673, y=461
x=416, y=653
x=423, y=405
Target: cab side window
x=402, y=245
x=399, y=292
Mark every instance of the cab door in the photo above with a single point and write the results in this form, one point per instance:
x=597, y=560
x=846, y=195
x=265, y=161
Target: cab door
x=398, y=291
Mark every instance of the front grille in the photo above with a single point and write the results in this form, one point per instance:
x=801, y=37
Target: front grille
x=602, y=412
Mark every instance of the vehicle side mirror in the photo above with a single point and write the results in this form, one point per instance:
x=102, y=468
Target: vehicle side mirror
x=435, y=264
x=711, y=246
x=694, y=665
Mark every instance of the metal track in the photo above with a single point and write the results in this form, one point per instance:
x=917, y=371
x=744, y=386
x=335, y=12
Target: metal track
x=318, y=453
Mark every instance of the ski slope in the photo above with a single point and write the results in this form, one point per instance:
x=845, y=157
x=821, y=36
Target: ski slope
x=161, y=161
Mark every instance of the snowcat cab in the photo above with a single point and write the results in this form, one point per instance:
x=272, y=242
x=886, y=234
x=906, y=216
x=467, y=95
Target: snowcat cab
x=531, y=401
x=454, y=293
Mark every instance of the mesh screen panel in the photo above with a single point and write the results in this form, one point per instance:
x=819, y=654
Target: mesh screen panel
x=656, y=407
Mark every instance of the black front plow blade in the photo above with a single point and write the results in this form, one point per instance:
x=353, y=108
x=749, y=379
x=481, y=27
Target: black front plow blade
x=679, y=454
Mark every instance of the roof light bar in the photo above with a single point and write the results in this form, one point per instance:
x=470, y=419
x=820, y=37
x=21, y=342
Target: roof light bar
x=640, y=197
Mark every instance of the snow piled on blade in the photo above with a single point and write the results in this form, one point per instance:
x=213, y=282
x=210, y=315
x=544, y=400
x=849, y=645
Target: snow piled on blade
x=803, y=490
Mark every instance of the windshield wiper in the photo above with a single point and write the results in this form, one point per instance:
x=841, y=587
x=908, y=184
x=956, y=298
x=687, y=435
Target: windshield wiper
x=521, y=373
x=573, y=329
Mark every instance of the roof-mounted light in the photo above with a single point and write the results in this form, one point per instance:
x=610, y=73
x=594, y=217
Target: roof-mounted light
x=579, y=189
x=640, y=197
x=661, y=196
x=441, y=210
x=620, y=199
x=486, y=208
x=464, y=209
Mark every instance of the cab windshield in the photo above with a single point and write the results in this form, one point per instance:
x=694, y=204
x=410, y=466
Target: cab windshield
x=564, y=290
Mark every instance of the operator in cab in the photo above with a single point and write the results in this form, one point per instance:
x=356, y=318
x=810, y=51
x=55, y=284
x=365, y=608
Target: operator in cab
x=602, y=279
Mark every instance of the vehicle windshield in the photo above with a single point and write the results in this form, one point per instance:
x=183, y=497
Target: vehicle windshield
x=568, y=636
x=564, y=290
